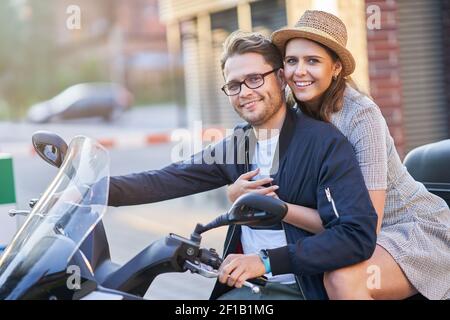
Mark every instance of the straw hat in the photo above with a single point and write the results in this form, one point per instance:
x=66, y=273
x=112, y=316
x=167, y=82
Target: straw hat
x=322, y=27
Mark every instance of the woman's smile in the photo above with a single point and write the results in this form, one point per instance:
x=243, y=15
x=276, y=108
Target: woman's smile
x=303, y=84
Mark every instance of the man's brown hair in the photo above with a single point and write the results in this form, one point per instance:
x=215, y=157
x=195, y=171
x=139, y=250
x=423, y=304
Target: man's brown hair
x=240, y=42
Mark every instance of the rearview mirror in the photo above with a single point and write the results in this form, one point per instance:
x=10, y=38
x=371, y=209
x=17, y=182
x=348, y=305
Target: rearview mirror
x=254, y=209
x=50, y=147
x=251, y=209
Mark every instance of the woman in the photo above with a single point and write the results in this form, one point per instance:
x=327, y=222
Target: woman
x=413, y=247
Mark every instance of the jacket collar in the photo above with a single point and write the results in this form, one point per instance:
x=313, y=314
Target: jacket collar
x=248, y=144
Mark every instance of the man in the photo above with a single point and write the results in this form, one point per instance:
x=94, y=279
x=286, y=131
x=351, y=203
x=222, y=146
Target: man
x=310, y=161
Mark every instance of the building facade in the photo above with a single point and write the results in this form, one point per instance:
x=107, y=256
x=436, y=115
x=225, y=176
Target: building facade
x=401, y=48
x=125, y=37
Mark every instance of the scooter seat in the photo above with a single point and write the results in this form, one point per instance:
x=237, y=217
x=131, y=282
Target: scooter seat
x=429, y=164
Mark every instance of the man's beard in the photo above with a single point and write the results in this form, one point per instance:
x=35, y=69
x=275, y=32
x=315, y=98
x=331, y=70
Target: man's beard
x=269, y=110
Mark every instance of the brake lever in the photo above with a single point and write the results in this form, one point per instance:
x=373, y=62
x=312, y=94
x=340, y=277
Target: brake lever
x=209, y=272
x=201, y=268
x=14, y=212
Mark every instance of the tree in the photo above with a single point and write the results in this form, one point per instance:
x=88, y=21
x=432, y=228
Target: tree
x=27, y=35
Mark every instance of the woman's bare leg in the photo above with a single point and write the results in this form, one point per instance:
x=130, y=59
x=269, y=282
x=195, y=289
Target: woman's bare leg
x=380, y=277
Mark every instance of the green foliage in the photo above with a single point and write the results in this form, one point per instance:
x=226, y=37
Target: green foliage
x=27, y=52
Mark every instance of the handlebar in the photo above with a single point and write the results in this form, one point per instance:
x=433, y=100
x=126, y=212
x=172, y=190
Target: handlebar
x=208, y=272
x=208, y=264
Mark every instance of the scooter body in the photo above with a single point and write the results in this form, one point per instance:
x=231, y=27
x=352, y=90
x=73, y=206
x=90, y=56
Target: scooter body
x=62, y=252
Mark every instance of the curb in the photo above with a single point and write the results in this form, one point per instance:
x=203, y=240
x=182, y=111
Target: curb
x=125, y=141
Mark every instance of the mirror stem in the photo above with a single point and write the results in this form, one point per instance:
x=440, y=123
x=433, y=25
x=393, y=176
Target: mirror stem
x=195, y=236
x=221, y=220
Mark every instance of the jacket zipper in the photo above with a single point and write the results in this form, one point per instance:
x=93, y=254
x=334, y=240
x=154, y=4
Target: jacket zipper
x=295, y=276
x=330, y=199
x=246, y=154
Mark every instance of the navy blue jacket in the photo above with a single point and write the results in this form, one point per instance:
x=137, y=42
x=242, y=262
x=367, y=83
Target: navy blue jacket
x=314, y=156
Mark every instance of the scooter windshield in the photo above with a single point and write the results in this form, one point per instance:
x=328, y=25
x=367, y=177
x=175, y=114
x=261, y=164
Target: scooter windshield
x=69, y=209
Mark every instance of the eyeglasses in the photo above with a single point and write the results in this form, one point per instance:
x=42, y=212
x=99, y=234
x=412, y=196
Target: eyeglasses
x=253, y=81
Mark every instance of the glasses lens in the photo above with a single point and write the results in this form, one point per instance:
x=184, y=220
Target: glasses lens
x=232, y=88
x=254, y=81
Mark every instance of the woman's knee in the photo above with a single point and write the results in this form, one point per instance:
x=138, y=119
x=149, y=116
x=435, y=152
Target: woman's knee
x=345, y=283
x=336, y=280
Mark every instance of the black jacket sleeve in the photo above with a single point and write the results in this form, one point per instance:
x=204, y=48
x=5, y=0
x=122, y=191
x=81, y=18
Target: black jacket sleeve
x=346, y=210
x=176, y=180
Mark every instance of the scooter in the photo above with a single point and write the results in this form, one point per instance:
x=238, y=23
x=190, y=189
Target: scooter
x=61, y=251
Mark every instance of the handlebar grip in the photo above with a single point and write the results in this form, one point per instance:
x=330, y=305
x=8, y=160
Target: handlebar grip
x=260, y=281
x=211, y=258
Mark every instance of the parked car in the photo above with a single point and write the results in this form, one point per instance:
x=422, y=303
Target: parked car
x=106, y=100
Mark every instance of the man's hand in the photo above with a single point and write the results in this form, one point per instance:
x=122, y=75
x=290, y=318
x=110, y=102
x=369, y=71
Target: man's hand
x=237, y=268
x=243, y=185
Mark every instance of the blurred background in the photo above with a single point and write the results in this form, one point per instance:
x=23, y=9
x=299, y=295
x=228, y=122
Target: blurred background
x=129, y=72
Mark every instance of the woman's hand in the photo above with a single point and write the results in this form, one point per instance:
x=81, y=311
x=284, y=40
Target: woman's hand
x=244, y=185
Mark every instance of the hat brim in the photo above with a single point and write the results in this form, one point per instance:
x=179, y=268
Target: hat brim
x=281, y=37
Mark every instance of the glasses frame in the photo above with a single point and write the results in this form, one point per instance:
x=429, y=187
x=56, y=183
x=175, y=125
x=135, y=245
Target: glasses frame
x=263, y=75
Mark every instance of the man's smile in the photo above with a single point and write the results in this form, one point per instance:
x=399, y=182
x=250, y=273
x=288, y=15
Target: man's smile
x=250, y=104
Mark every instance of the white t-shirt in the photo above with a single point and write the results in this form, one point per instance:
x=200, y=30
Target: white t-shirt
x=253, y=240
